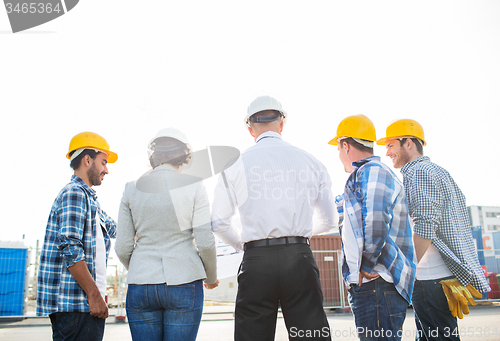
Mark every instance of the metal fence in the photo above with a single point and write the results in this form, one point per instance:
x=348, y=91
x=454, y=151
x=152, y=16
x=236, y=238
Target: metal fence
x=330, y=275
x=16, y=288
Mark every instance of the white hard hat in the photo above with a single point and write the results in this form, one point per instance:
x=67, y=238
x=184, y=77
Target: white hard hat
x=170, y=132
x=264, y=103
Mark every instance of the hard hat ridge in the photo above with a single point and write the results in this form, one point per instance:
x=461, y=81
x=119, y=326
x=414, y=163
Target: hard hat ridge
x=262, y=103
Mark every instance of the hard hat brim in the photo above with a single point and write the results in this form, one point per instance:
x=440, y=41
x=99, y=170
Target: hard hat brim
x=112, y=157
x=334, y=141
x=383, y=140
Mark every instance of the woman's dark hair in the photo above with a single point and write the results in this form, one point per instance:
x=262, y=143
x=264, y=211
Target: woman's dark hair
x=75, y=163
x=169, y=150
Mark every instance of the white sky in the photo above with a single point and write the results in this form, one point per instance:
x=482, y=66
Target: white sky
x=126, y=69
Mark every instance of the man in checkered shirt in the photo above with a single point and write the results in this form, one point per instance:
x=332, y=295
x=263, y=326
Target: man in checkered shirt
x=379, y=260
x=442, y=233
x=72, y=274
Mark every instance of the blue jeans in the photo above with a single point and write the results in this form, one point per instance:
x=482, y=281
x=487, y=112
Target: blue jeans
x=74, y=326
x=432, y=314
x=164, y=312
x=379, y=310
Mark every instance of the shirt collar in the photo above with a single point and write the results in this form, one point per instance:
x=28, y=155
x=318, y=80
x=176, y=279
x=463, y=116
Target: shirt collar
x=410, y=164
x=361, y=162
x=166, y=167
x=82, y=184
x=268, y=134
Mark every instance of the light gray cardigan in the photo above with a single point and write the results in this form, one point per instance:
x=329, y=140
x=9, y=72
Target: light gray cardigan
x=169, y=214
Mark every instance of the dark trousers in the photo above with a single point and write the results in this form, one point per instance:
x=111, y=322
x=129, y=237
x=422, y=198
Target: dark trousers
x=74, y=326
x=285, y=275
x=432, y=314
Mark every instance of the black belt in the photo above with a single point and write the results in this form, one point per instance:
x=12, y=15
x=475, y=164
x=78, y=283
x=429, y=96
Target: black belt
x=276, y=241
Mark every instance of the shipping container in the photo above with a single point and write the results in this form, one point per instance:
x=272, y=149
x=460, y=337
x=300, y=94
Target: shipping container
x=496, y=242
x=13, y=278
x=326, y=250
x=492, y=264
x=493, y=281
x=477, y=234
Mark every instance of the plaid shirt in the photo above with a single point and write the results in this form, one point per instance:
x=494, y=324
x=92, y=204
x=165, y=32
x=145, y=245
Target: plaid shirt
x=376, y=206
x=438, y=209
x=70, y=237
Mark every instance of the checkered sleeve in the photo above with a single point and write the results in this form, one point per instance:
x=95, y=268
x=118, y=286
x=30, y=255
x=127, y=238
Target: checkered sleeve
x=109, y=223
x=378, y=187
x=72, y=215
x=427, y=202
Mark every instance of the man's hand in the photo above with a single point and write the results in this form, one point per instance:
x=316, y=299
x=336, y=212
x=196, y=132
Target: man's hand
x=81, y=273
x=212, y=286
x=366, y=275
x=98, y=307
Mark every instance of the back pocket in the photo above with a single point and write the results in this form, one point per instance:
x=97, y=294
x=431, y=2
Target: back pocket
x=181, y=297
x=137, y=297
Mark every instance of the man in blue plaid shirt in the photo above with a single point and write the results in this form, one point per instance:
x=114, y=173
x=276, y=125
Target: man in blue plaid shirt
x=379, y=262
x=72, y=274
x=447, y=258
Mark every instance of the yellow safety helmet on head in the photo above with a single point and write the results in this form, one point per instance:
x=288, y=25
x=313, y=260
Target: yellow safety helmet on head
x=357, y=126
x=88, y=140
x=404, y=128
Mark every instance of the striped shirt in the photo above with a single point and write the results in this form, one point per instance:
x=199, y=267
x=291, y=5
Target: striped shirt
x=377, y=209
x=276, y=188
x=70, y=237
x=438, y=209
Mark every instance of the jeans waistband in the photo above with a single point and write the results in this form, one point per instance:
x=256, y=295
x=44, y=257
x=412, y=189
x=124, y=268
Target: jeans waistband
x=276, y=241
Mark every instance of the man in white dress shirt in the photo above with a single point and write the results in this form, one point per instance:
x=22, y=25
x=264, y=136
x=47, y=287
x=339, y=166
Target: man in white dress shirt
x=276, y=187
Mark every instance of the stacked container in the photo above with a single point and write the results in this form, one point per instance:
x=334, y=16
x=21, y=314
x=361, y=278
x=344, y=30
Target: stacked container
x=13, y=278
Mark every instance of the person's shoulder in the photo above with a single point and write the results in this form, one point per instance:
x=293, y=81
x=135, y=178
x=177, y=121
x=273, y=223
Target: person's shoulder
x=72, y=188
x=300, y=152
x=373, y=164
x=429, y=168
x=376, y=167
x=73, y=194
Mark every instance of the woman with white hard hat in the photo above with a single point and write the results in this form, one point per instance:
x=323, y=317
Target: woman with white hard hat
x=165, y=241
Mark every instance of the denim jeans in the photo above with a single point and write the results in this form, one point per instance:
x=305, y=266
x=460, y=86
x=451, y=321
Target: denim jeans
x=432, y=314
x=164, y=312
x=379, y=310
x=75, y=326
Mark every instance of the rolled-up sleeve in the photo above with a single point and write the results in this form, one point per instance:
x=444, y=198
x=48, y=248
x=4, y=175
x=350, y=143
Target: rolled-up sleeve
x=109, y=223
x=72, y=213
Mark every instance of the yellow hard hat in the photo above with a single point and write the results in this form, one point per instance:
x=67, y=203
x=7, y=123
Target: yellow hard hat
x=357, y=126
x=403, y=128
x=91, y=141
